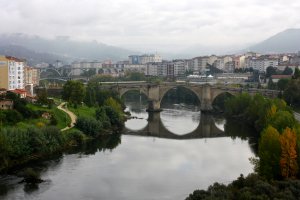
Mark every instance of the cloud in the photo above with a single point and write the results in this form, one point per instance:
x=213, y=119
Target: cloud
x=152, y=23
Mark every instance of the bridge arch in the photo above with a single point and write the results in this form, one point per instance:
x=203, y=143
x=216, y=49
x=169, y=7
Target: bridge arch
x=123, y=91
x=50, y=70
x=165, y=90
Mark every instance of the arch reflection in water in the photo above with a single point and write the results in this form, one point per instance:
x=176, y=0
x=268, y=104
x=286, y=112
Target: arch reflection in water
x=155, y=128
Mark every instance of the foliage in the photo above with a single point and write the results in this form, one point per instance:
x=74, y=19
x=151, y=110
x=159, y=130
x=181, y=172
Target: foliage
x=252, y=187
x=73, y=92
x=42, y=96
x=111, y=102
x=10, y=117
x=238, y=105
x=89, y=126
x=219, y=102
x=296, y=73
x=287, y=71
x=282, y=119
x=103, y=118
x=288, y=160
x=74, y=137
x=114, y=116
x=135, y=76
x=292, y=92
x=270, y=71
x=282, y=84
x=21, y=144
x=269, y=153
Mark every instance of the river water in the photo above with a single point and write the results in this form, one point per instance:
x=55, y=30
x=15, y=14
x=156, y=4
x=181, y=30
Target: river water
x=161, y=156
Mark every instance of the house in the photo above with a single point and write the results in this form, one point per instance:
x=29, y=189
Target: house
x=276, y=78
x=22, y=93
x=6, y=104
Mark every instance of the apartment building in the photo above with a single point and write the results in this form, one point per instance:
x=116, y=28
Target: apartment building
x=11, y=73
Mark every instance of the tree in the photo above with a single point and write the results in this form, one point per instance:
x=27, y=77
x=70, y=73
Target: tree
x=282, y=119
x=296, y=73
x=282, y=84
x=287, y=71
x=42, y=96
x=270, y=71
x=269, y=153
x=73, y=92
x=292, y=92
x=288, y=159
x=271, y=84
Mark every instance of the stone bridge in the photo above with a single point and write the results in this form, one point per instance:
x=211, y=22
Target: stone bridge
x=205, y=92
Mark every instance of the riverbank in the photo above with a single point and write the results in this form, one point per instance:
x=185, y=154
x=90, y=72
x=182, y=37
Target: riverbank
x=27, y=142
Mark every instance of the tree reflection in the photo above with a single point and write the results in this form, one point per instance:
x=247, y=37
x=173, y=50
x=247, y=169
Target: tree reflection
x=238, y=129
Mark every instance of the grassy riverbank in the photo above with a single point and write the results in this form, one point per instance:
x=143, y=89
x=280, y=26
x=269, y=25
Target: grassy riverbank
x=35, y=138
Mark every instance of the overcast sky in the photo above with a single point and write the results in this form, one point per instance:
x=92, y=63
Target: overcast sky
x=152, y=24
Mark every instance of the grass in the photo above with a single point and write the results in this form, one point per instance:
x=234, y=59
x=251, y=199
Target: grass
x=62, y=118
x=83, y=111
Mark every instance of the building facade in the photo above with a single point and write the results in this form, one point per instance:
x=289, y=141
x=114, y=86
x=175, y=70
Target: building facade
x=11, y=73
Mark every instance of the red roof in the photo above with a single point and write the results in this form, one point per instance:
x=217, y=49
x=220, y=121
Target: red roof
x=19, y=91
x=281, y=76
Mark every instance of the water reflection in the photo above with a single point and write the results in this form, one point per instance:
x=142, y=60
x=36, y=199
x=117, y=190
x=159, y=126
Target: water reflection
x=11, y=186
x=161, y=165
x=176, y=121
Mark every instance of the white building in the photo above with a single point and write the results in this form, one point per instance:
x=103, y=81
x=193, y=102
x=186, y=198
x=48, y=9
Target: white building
x=77, y=68
x=179, y=68
x=152, y=69
x=149, y=58
x=261, y=64
x=12, y=73
x=135, y=68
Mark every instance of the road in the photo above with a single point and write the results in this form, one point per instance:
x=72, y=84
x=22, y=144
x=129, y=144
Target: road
x=71, y=114
x=297, y=116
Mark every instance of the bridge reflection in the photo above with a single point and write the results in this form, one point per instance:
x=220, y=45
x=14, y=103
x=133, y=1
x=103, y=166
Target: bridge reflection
x=155, y=128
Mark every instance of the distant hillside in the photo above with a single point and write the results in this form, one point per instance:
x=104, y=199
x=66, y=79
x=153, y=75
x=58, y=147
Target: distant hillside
x=62, y=47
x=287, y=41
x=32, y=57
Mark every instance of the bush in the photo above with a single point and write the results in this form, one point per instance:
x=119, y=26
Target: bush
x=89, y=126
x=74, y=137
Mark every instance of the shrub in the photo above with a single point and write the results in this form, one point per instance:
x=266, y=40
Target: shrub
x=89, y=126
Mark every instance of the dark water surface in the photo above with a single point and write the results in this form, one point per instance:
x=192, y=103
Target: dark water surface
x=159, y=156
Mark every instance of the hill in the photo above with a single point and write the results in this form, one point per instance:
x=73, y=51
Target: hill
x=287, y=41
x=61, y=48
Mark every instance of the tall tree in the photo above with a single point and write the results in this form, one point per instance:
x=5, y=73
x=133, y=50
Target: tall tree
x=282, y=84
x=287, y=71
x=73, y=92
x=288, y=160
x=270, y=71
x=296, y=73
x=269, y=153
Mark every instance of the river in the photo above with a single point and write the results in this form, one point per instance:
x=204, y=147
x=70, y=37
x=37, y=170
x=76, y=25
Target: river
x=161, y=156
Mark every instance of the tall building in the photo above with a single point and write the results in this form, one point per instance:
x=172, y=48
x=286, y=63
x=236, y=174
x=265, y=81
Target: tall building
x=11, y=73
x=32, y=78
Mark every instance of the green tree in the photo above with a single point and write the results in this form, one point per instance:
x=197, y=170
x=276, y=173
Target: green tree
x=287, y=71
x=114, y=104
x=42, y=96
x=135, y=76
x=282, y=119
x=292, y=92
x=296, y=73
x=73, y=92
x=269, y=153
x=271, y=84
x=270, y=71
x=282, y=84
